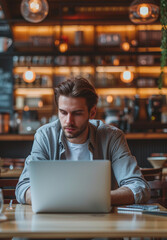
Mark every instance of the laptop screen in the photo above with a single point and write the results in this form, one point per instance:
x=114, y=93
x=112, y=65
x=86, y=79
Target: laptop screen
x=70, y=186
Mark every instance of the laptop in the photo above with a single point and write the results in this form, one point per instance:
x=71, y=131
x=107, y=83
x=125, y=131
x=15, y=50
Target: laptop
x=70, y=186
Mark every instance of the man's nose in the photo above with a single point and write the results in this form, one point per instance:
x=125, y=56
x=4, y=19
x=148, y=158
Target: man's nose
x=69, y=118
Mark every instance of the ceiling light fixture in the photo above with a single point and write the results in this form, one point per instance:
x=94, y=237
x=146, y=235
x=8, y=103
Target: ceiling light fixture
x=143, y=11
x=34, y=10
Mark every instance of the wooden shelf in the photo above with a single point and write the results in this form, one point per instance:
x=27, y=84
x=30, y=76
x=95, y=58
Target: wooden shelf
x=16, y=137
x=45, y=109
x=32, y=91
x=146, y=136
x=130, y=136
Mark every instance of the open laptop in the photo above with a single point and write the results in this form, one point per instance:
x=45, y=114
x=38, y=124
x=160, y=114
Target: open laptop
x=70, y=186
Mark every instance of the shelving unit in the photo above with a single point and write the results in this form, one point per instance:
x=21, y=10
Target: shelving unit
x=92, y=51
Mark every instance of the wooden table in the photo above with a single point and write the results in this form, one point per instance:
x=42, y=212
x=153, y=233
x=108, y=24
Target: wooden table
x=23, y=223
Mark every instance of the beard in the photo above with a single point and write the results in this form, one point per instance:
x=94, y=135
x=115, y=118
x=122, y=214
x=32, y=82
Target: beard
x=75, y=131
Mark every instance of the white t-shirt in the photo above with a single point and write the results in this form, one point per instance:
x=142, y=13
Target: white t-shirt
x=77, y=151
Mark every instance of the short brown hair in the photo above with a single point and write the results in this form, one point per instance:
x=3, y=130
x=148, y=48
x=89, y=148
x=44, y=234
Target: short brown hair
x=77, y=87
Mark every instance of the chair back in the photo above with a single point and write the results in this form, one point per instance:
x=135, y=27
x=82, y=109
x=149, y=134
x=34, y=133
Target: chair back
x=151, y=174
x=154, y=178
x=8, y=186
x=10, y=171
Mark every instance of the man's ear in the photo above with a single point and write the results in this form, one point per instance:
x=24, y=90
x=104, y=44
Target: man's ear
x=92, y=112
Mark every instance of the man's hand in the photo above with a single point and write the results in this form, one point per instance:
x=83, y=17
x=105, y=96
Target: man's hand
x=28, y=196
x=122, y=195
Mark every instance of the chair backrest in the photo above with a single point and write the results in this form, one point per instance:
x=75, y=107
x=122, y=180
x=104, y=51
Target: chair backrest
x=8, y=186
x=151, y=174
x=12, y=162
x=9, y=174
x=154, y=178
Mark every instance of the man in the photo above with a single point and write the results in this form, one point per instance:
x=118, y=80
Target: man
x=75, y=136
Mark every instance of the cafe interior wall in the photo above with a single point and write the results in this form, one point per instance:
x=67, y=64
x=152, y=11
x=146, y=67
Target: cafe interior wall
x=93, y=34
x=90, y=30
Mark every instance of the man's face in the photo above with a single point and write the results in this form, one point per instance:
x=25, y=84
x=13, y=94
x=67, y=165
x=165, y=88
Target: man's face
x=74, y=117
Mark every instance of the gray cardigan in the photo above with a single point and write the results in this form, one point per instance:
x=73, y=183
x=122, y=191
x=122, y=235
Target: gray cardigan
x=105, y=142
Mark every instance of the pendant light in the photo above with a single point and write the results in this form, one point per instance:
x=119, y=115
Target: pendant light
x=34, y=10
x=143, y=11
x=127, y=76
x=63, y=41
x=29, y=76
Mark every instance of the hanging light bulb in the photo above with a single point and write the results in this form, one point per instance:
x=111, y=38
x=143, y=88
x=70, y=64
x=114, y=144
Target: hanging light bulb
x=143, y=11
x=125, y=46
x=34, y=10
x=63, y=44
x=127, y=76
x=116, y=62
x=63, y=47
x=29, y=76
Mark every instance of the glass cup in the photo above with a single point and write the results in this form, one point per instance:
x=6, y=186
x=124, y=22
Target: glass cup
x=1, y=201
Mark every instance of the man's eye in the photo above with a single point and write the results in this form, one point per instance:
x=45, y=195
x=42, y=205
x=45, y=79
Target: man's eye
x=62, y=112
x=78, y=114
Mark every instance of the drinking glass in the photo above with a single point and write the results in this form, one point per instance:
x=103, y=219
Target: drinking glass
x=1, y=200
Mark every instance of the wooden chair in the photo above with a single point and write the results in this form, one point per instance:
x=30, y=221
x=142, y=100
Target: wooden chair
x=154, y=178
x=8, y=181
x=12, y=162
x=8, y=186
x=151, y=174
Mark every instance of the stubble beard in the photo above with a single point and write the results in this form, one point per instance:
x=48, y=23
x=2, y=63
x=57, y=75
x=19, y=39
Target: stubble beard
x=77, y=133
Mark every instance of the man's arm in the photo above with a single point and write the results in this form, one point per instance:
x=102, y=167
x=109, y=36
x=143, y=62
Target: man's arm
x=28, y=196
x=39, y=152
x=122, y=195
x=133, y=187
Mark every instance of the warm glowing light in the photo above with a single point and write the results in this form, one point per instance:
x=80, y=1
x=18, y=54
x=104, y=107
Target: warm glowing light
x=40, y=104
x=134, y=42
x=126, y=46
x=26, y=108
x=116, y=62
x=35, y=6
x=127, y=76
x=34, y=10
x=56, y=42
x=63, y=47
x=144, y=10
x=110, y=99
x=29, y=76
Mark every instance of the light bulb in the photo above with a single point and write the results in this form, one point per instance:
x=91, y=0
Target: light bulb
x=34, y=10
x=109, y=99
x=35, y=6
x=143, y=11
x=125, y=46
x=63, y=47
x=29, y=76
x=116, y=62
x=127, y=76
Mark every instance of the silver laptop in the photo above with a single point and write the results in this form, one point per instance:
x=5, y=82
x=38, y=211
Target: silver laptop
x=70, y=186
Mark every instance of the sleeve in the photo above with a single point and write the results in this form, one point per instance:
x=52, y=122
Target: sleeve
x=126, y=170
x=39, y=152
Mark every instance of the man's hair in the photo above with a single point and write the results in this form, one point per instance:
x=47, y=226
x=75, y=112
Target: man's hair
x=77, y=87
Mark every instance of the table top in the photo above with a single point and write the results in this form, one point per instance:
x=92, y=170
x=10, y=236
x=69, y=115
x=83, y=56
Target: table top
x=22, y=222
